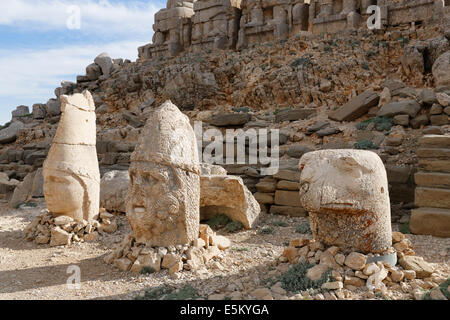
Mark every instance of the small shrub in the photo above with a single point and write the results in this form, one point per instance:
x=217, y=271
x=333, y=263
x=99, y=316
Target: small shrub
x=218, y=221
x=444, y=288
x=147, y=270
x=279, y=224
x=242, y=109
x=295, y=280
x=234, y=226
x=168, y=293
x=370, y=54
x=267, y=230
x=27, y=204
x=404, y=228
x=155, y=293
x=188, y=292
x=381, y=123
x=365, y=145
x=300, y=62
x=241, y=249
x=304, y=228
x=365, y=66
x=277, y=111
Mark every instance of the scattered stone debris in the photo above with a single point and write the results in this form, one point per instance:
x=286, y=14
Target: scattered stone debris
x=64, y=230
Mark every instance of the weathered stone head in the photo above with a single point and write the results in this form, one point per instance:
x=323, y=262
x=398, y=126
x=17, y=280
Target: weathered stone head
x=346, y=194
x=71, y=172
x=163, y=202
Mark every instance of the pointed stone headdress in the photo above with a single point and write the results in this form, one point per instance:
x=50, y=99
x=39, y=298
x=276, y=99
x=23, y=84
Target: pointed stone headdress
x=168, y=141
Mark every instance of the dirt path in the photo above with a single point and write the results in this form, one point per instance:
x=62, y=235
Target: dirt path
x=31, y=271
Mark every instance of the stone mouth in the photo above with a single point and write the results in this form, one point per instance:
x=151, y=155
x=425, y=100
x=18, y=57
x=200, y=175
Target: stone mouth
x=339, y=205
x=139, y=210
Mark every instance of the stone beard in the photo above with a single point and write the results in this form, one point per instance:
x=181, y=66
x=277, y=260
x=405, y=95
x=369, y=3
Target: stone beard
x=161, y=202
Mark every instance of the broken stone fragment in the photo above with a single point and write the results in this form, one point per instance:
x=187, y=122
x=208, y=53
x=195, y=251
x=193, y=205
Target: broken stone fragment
x=71, y=172
x=228, y=195
x=417, y=264
x=59, y=237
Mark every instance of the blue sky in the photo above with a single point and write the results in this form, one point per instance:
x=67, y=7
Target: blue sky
x=40, y=44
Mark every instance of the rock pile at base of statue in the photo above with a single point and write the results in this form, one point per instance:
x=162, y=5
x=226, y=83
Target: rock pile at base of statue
x=140, y=258
x=63, y=230
x=374, y=273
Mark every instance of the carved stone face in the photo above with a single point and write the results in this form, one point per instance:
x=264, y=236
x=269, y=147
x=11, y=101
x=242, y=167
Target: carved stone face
x=64, y=194
x=155, y=203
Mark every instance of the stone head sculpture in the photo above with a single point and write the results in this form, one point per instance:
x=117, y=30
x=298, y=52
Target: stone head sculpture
x=164, y=193
x=71, y=172
x=346, y=193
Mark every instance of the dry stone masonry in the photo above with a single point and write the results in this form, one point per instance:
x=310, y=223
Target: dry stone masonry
x=238, y=24
x=433, y=187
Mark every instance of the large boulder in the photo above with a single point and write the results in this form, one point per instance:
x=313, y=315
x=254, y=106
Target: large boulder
x=295, y=114
x=113, y=190
x=230, y=119
x=356, y=107
x=22, y=193
x=6, y=185
x=346, y=194
x=53, y=107
x=105, y=62
x=11, y=133
x=93, y=71
x=20, y=111
x=39, y=111
x=441, y=70
x=407, y=107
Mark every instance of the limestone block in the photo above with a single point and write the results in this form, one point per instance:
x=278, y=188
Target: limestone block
x=228, y=195
x=346, y=194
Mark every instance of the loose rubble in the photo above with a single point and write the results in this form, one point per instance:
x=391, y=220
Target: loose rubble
x=138, y=257
x=64, y=230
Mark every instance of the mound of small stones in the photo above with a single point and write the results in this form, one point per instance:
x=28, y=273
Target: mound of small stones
x=63, y=230
x=138, y=257
x=355, y=270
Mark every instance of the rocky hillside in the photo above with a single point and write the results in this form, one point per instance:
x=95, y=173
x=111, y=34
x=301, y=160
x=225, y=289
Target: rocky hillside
x=361, y=89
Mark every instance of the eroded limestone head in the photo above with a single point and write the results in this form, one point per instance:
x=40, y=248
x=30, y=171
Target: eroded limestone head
x=71, y=173
x=164, y=191
x=346, y=195
x=343, y=180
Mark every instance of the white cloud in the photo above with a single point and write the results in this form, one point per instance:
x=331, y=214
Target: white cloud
x=102, y=16
x=33, y=75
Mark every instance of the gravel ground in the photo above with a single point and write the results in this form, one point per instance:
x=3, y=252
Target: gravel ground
x=31, y=271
